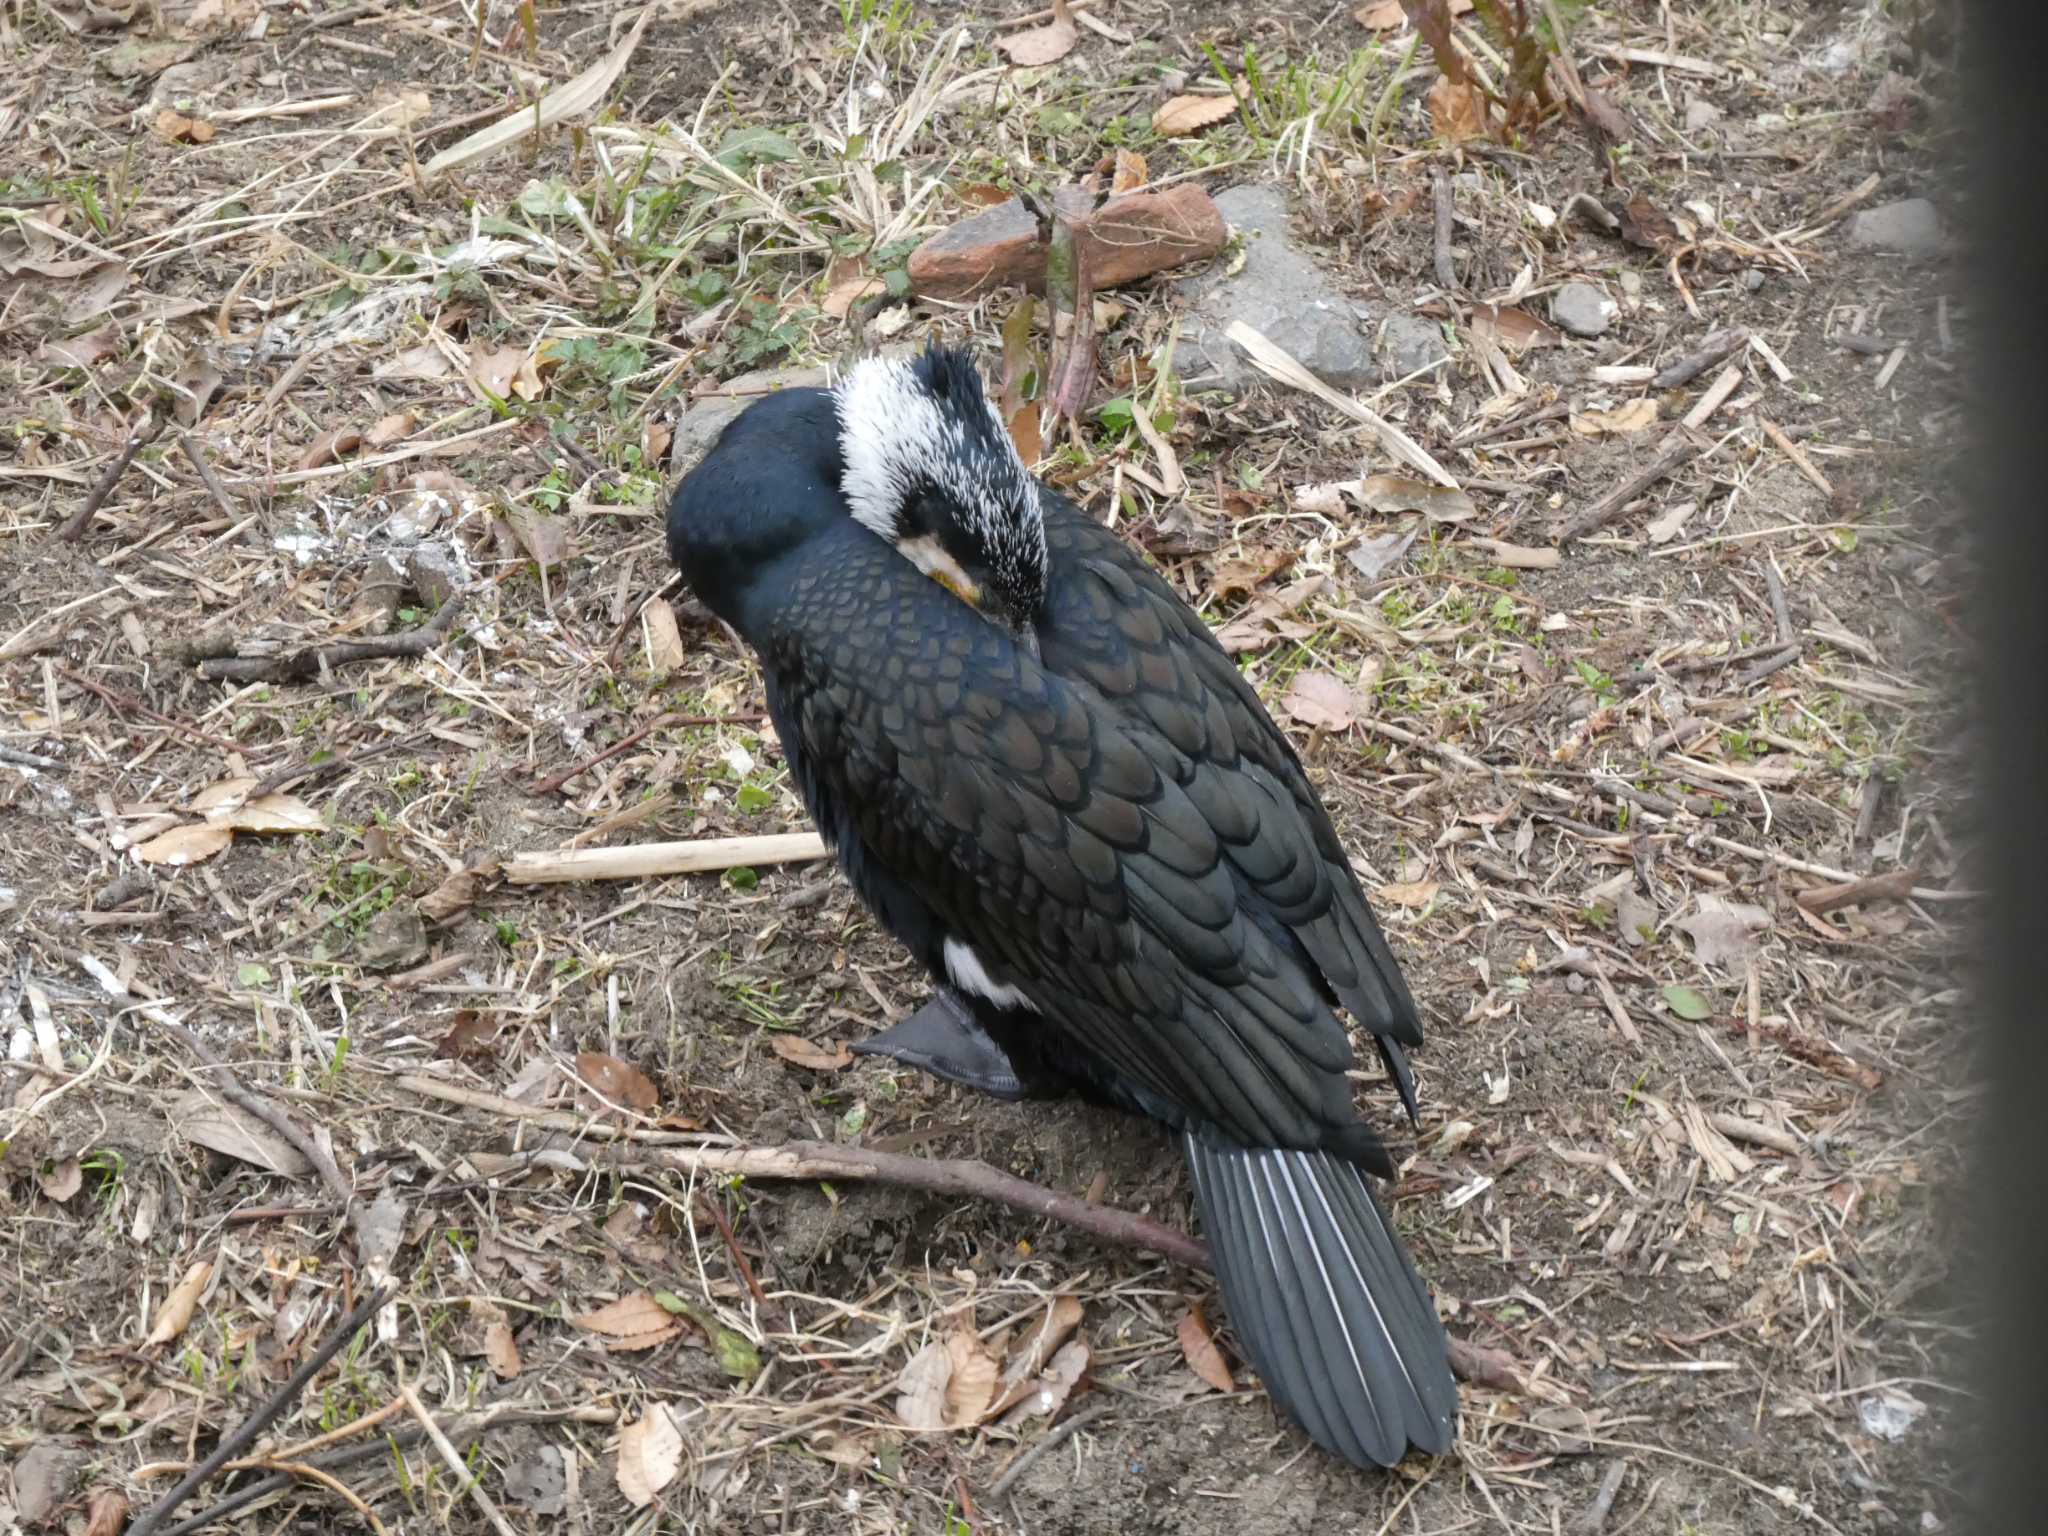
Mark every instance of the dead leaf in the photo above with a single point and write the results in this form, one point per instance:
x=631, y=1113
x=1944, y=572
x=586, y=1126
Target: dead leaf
x=1385, y=15
x=1724, y=932
x=846, y=284
x=1634, y=416
x=471, y=1032
x=543, y=537
x=451, y=898
x=395, y=428
x=1128, y=174
x=1054, y=1385
x=1034, y=1350
x=970, y=1381
x=1025, y=433
x=980, y=194
x=799, y=1052
x=841, y=1449
x=616, y=1081
x=185, y=845
x=233, y=1132
x=1457, y=110
x=1244, y=574
x=1517, y=328
x=1664, y=527
x=62, y=1180
x=330, y=446
x=654, y=441
x=665, y=653
x=1608, y=119
x=650, y=1455
x=270, y=813
x=1322, y=701
x=1398, y=493
x=81, y=351
x=1644, y=224
x=175, y=1314
x=503, y=372
x=1042, y=45
x=106, y=1514
x=1198, y=1347
x=1184, y=115
x=631, y=1323
x=1408, y=893
x=921, y=1388
x=1371, y=557
x=501, y=1350
x=180, y=129
x=1254, y=629
x=221, y=796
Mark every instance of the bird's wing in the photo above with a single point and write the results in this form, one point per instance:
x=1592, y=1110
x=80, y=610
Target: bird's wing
x=1117, y=626
x=1072, y=848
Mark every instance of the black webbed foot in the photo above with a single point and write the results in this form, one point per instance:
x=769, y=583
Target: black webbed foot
x=944, y=1039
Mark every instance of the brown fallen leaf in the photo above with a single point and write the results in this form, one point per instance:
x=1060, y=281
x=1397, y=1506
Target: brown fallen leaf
x=451, y=898
x=655, y=438
x=799, y=1052
x=173, y=1317
x=1198, y=1348
x=1054, y=1385
x=1385, y=15
x=971, y=1379
x=330, y=446
x=665, y=653
x=979, y=194
x=1042, y=45
x=650, y=1455
x=106, y=1514
x=1026, y=434
x=1398, y=493
x=1644, y=224
x=1254, y=629
x=1517, y=328
x=846, y=284
x=503, y=372
x=472, y=1031
x=1034, y=1350
x=1624, y=420
x=1184, y=115
x=631, y=1323
x=543, y=537
x=501, y=1350
x=617, y=1082
x=1457, y=110
x=270, y=814
x=81, y=351
x=62, y=1179
x=386, y=430
x=1408, y=893
x=921, y=1387
x=198, y=1117
x=1322, y=701
x=180, y=129
x=185, y=845
x=1242, y=575
x=1127, y=172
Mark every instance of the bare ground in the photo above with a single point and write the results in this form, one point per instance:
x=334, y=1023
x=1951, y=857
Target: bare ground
x=1695, y=1203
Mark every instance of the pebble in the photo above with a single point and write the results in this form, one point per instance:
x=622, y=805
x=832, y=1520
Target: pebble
x=1410, y=343
x=1911, y=227
x=1582, y=309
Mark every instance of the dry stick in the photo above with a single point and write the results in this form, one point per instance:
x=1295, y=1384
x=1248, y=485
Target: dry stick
x=1059, y=1436
x=257, y=1422
x=645, y=860
x=127, y=703
x=197, y=455
x=1719, y=345
x=1594, y=1520
x=75, y=525
x=555, y=781
x=470, y=1483
x=1777, y=661
x=1680, y=451
x=311, y=661
x=1446, y=274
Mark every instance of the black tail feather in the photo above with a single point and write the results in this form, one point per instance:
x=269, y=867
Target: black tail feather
x=1324, y=1300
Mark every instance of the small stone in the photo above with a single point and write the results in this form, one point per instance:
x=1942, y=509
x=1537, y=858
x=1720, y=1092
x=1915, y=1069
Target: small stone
x=1700, y=115
x=1911, y=227
x=1753, y=279
x=396, y=938
x=1278, y=291
x=1136, y=235
x=1582, y=309
x=1409, y=344
x=705, y=417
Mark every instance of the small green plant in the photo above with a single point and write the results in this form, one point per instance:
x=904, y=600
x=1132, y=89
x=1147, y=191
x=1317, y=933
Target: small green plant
x=1597, y=683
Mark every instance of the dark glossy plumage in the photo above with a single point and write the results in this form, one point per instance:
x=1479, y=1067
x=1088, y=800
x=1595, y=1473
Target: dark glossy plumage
x=1153, y=906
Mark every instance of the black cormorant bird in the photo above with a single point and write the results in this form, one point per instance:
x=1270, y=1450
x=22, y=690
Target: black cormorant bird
x=1042, y=774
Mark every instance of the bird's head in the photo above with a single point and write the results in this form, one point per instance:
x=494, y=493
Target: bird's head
x=928, y=465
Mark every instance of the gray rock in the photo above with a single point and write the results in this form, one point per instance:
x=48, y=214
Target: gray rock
x=1279, y=292
x=1582, y=309
x=703, y=419
x=1408, y=344
x=1700, y=114
x=1911, y=228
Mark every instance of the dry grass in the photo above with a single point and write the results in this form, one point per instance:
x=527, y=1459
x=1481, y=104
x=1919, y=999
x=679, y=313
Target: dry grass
x=1692, y=1205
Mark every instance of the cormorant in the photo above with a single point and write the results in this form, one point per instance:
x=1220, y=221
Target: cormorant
x=1045, y=778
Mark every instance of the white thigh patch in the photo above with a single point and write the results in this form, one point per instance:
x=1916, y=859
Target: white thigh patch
x=967, y=972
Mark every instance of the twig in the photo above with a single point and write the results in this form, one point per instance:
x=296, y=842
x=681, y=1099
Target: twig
x=22, y=759
x=1029, y=1458
x=556, y=780
x=257, y=1422
x=1594, y=1520
x=192, y=451
x=1777, y=661
x=1719, y=345
x=1797, y=455
x=646, y=860
x=316, y=659
x=1781, y=608
x=75, y=525
x=470, y=1483
x=1446, y=211
x=1680, y=451
x=128, y=703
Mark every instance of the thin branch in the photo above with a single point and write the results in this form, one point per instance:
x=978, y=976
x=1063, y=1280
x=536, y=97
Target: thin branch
x=313, y=660
x=76, y=524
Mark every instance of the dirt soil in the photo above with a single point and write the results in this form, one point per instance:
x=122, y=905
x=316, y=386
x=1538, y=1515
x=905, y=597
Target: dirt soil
x=1687, y=1157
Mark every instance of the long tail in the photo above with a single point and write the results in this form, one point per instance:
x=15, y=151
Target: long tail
x=1325, y=1301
